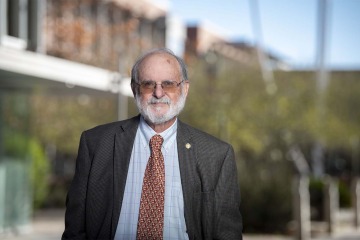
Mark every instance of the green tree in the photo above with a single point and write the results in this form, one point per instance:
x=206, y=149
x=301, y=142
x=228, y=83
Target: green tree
x=231, y=102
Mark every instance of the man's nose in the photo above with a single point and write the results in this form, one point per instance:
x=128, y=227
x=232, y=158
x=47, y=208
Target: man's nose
x=159, y=91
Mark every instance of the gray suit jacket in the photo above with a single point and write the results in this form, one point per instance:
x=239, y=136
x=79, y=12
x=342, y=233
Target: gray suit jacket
x=208, y=176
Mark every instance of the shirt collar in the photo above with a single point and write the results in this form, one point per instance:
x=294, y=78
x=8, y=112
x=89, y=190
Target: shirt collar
x=146, y=132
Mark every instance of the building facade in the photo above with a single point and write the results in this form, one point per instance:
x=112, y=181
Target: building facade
x=70, y=47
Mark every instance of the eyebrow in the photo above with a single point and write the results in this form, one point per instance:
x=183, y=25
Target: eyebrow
x=156, y=81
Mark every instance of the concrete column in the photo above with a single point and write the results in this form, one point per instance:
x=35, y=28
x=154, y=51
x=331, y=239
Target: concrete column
x=3, y=19
x=2, y=165
x=331, y=203
x=301, y=207
x=355, y=190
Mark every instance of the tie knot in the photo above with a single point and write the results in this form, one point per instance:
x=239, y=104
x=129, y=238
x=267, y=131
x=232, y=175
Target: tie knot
x=156, y=142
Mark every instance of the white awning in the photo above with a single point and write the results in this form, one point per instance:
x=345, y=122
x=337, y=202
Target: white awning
x=25, y=69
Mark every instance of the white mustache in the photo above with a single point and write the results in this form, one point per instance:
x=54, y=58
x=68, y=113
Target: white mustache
x=162, y=100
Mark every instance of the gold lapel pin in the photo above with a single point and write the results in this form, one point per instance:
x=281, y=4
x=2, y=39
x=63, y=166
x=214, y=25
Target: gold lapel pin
x=188, y=145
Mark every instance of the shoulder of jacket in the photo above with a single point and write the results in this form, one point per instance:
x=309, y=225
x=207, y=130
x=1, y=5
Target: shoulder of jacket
x=110, y=128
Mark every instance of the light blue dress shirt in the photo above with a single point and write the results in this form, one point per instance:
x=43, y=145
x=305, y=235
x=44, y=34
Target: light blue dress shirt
x=174, y=220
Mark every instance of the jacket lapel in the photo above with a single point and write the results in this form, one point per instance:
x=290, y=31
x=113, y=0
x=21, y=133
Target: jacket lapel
x=187, y=162
x=123, y=145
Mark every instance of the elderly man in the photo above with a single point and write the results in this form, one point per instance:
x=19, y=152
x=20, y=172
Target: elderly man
x=153, y=176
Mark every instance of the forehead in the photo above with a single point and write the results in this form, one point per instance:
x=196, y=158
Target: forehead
x=159, y=63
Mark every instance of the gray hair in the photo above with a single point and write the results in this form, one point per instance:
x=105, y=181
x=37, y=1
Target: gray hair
x=135, y=68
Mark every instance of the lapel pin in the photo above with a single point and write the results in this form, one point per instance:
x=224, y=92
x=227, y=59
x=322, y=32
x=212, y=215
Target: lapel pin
x=188, y=145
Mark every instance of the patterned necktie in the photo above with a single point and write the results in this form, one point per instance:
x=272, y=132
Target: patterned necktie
x=151, y=213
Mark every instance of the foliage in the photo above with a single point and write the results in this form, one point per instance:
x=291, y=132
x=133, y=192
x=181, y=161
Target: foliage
x=266, y=196
x=59, y=120
x=15, y=144
x=40, y=172
x=231, y=102
x=316, y=189
x=344, y=195
x=14, y=124
x=57, y=194
x=28, y=150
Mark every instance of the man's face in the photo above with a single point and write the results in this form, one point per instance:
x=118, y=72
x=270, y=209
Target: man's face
x=159, y=105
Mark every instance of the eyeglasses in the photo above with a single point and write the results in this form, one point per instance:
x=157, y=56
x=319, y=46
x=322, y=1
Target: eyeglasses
x=167, y=86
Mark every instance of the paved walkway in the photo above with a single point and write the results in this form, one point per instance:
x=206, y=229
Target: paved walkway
x=49, y=225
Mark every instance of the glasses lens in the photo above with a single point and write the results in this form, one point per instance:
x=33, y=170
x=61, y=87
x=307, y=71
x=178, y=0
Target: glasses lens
x=168, y=85
x=149, y=86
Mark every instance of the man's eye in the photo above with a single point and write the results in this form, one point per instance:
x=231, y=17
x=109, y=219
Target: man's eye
x=148, y=84
x=168, y=84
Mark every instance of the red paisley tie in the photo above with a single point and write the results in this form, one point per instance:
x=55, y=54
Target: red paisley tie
x=151, y=213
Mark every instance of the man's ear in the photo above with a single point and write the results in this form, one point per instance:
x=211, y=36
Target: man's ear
x=186, y=87
x=133, y=89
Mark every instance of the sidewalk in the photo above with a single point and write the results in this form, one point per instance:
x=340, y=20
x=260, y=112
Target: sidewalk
x=46, y=225
x=49, y=225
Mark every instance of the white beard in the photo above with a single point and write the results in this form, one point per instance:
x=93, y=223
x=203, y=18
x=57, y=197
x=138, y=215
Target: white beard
x=152, y=114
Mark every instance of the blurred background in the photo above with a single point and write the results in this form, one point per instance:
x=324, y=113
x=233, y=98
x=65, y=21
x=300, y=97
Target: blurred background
x=279, y=80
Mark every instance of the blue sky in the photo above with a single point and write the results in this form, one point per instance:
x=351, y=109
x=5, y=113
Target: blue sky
x=289, y=27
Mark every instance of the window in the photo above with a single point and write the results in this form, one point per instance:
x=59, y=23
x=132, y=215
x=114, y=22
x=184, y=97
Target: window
x=19, y=23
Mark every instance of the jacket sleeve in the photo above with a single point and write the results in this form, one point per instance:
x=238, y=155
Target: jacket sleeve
x=75, y=216
x=227, y=201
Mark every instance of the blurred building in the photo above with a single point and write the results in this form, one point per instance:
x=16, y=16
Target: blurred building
x=68, y=46
x=106, y=34
x=204, y=39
